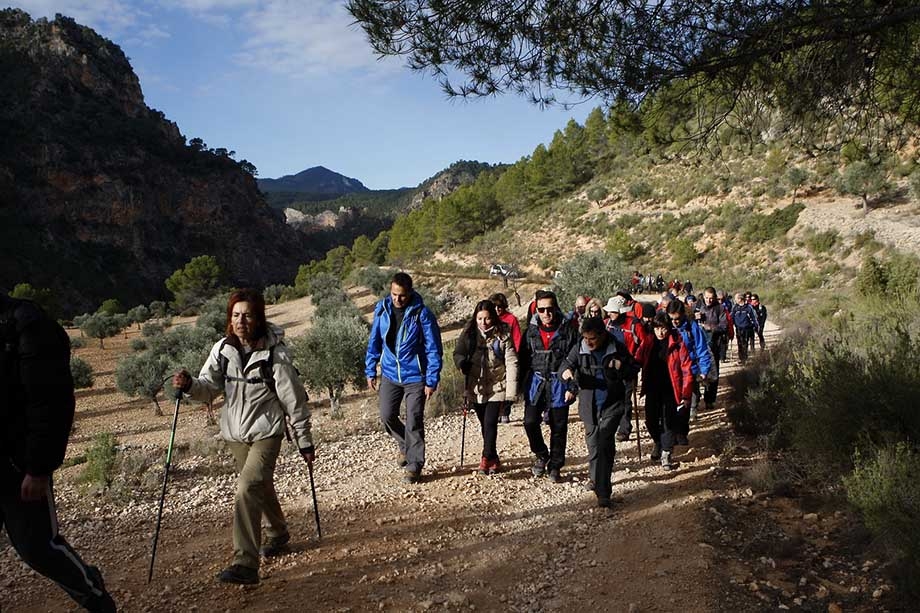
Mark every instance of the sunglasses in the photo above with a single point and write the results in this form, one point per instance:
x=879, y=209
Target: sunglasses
x=544, y=309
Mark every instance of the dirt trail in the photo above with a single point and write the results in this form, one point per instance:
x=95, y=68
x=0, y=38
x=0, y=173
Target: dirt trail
x=455, y=541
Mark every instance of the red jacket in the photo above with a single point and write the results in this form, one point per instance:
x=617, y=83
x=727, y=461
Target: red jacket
x=637, y=338
x=679, y=368
x=508, y=318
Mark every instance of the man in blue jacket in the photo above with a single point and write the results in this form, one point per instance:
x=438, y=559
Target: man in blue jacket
x=406, y=341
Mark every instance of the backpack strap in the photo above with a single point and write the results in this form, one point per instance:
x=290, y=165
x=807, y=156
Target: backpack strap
x=266, y=369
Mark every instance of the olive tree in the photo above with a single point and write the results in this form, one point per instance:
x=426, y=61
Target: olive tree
x=101, y=325
x=596, y=274
x=330, y=356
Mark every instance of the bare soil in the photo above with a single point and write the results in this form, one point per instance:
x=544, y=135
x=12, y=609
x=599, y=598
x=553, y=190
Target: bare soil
x=683, y=540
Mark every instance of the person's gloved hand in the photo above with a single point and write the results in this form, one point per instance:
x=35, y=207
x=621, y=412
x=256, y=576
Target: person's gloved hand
x=308, y=454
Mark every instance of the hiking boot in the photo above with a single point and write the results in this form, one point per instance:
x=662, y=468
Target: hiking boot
x=275, y=546
x=242, y=575
x=401, y=459
x=666, y=461
x=554, y=475
x=102, y=603
x=493, y=466
x=681, y=439
x=412, y=476
x=656, y=453
x=622, y=437
x=504, y=419
x=483, y=465
x=539, y=466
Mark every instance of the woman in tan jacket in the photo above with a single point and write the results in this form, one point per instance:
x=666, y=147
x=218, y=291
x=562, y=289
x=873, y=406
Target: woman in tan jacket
x=486, y=356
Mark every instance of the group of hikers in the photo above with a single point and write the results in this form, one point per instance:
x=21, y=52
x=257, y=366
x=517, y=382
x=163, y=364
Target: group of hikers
x=593, y=355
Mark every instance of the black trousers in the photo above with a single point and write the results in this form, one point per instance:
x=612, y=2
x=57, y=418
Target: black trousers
x=488, y=420
x=661, y=420
x=745, y=337
x=33, y=530
x=558, y=433
x=600, y=439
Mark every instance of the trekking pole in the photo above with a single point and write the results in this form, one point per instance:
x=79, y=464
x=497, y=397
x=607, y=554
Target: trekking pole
x=465, y=410
x=169, y=449
x=319, y=530
x=636, y=413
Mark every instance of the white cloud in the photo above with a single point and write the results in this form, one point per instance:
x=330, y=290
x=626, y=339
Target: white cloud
x=304, y=39
x=110, y=17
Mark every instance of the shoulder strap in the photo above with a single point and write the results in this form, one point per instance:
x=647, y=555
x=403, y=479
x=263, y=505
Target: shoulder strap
x=266, y=369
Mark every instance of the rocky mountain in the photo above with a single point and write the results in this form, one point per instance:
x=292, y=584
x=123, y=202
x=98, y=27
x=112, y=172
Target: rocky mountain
x=317, y=180
x=101, y=196
x=459, y=173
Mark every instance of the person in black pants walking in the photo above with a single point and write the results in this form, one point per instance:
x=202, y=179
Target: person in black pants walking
x=598, y=371
x=36, y=410
x=546, y=343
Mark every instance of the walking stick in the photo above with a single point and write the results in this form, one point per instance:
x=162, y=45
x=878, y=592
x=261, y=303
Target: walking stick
x=465, y=409
x=169, y=449
x=319, y=530
x=636, y=413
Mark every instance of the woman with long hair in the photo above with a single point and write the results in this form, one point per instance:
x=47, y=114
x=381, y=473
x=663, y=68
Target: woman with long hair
x=486, y=356
x=254, y=371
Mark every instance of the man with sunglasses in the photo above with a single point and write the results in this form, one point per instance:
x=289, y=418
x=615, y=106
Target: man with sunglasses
x=548, y=340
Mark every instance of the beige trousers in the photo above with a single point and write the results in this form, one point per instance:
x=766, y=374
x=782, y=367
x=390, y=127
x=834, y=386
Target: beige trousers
x=255, y=498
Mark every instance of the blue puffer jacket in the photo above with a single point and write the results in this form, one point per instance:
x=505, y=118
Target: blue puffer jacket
x=418, y=344
x=695, y=340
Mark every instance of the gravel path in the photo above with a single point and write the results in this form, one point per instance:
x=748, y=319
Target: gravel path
x=456, y=541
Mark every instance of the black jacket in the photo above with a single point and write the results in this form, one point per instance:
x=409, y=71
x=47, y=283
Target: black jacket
x=37, y=404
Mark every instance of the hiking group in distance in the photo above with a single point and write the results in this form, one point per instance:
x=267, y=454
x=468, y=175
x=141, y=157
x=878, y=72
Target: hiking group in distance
x=602, y=356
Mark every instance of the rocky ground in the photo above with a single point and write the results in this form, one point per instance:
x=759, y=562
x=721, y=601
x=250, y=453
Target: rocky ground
x=700, y=538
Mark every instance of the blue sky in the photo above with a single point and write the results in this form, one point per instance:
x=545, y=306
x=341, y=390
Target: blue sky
x=290, y=84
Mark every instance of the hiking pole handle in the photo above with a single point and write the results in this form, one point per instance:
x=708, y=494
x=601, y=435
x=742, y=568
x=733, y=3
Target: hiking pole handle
x=169, y=450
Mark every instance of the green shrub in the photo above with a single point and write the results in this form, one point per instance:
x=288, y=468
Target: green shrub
x=640, y=190
x=623, y=246
x=821, y=242
x=99, y=469
x=597, y=274
x=866, y=241
x=138, y=344
x=683, y=252
x=852, y=381
x=885, y=489
x=77, y=343
x=81, y=372
x=760, y=228
x=273, y=293
x=374, y=278
x=449, y=397
x=151, y=329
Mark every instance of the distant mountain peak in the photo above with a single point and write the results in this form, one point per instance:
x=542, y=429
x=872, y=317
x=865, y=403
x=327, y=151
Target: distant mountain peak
x=315, y=180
